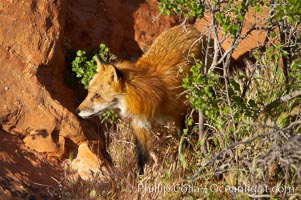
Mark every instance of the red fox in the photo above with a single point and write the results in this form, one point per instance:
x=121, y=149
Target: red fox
x=147, y=90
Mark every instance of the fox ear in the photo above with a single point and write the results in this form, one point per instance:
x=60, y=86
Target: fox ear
x=100, y=65
x=112, y=69
x=115, y=73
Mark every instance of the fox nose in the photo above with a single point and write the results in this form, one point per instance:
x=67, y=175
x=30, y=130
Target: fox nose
x=77, y=110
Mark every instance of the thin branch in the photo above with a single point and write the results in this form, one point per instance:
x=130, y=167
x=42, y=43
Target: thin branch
x=216, y=43
x=202, y=137
x=280, y=100
x=225, y=150
x=235, y=44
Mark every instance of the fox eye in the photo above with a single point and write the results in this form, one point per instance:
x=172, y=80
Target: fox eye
x=96, y=96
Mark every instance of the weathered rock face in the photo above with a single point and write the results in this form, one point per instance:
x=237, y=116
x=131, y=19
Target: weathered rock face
x=24, y=174
x=35, y=104
x=126, y=27
x=252, y=41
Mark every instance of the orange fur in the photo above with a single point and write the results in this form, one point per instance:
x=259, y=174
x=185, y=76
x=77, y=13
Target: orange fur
x=147, y=90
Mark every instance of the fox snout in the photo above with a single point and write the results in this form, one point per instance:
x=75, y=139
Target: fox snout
x=85, y=113
x=88, y=109
x=80, y=113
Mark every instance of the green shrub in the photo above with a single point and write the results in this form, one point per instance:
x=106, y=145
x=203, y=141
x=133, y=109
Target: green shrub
x=248, y=117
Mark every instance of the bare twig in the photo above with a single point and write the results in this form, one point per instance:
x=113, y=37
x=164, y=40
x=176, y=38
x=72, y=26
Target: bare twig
x=218, y=155
x=280, y=100
x=202, y=137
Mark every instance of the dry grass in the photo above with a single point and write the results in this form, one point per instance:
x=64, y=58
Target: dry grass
x=270, y=160
x=265, y=162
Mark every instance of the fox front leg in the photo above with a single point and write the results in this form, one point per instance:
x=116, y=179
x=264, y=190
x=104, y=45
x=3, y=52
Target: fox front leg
x=142, y=131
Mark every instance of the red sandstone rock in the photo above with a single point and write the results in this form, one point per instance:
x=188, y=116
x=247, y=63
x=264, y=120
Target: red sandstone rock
x=126, y=27
x=35, y=102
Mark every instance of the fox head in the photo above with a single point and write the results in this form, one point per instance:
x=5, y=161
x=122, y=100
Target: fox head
x=104, y=91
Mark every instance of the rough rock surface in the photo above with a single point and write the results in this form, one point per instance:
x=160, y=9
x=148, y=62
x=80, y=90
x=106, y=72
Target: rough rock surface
x=25, y=174
x=251, y=41
x=126, y=27
x=35, y=102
